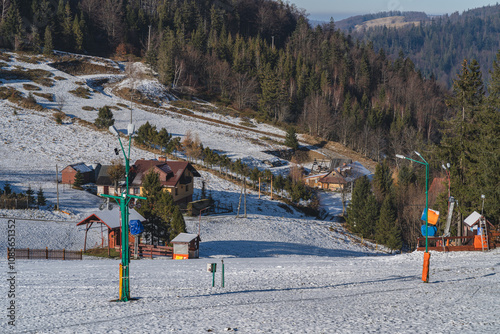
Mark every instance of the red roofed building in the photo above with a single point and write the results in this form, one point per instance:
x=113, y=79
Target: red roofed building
x=177, y=177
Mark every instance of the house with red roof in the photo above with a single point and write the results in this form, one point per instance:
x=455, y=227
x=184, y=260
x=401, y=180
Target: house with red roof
x=177, y=177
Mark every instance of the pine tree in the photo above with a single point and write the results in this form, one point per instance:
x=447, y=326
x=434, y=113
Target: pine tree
x=382, y=181
x=388, y=231
x=40, y=197
x=104, y=118
x=356, y=208
x=29, y=194
x=48, y=46
x=460, y=145
x=291, y=138
x=7, y=189
x=78, y=182
x=178, y=223
x=154, y=225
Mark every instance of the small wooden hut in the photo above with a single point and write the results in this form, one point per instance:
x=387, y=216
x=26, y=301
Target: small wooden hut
x=186, y=246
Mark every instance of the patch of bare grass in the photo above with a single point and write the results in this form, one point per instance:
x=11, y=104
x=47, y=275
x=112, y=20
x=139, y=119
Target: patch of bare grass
x=31, y=87
x=88, y=108
x=83, y=67
x=58, y=78
x=122, y=105
x=82, y=92
x=48, y=96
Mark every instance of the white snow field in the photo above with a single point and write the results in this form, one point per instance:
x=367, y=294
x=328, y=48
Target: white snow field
x=291, y=294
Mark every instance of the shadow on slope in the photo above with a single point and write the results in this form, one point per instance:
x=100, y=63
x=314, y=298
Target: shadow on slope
x=250, y=248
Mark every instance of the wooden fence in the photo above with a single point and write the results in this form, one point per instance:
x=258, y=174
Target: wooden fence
x=48, y=254
x=450, y=244
x=152, y=250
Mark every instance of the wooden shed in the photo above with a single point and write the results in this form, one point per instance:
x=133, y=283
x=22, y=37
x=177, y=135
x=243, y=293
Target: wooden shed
x=111, y=219
x=186, y=246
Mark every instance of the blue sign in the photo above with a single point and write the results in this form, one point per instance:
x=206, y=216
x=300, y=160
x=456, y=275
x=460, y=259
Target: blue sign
x=136, y=227
x=431, y=231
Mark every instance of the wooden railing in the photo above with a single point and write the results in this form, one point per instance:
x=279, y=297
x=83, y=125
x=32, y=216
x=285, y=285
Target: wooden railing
x=151, y=250
x=450, y=244
x=48, y=254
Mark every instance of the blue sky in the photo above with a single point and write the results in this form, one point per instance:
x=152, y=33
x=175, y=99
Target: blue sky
x=341, y=9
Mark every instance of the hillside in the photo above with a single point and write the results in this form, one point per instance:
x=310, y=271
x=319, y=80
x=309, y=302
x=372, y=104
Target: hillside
x=439, y=46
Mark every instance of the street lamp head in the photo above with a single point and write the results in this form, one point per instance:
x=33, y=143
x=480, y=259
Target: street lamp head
x=418, y=154
x=130, y=129
x=448, y=165
x=483, y=197
x=444, y=167
x=400, y=156
x=113, y=130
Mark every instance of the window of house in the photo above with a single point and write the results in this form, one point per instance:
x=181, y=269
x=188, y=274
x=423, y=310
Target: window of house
x=187, y=187
x=176, y=191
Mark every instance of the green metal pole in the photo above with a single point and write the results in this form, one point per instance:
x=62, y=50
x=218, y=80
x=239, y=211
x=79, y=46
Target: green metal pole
x=213, y=277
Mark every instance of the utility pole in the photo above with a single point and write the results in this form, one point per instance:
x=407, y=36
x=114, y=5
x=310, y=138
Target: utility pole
x=57, y=187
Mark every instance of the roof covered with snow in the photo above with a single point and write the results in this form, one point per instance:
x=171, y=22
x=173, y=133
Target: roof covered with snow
x=185, y=238
x=111, y=218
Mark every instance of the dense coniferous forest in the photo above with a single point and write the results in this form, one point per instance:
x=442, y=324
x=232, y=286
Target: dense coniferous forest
x=438, y=46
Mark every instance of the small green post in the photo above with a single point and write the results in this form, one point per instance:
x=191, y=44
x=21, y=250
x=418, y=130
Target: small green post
x=222, y=272
x=213, y=275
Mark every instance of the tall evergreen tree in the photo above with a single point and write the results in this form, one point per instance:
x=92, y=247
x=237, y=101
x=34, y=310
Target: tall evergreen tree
x=78, y=182
x=382, y=181
x=460, y=136
x=291, y=138
x=48, y=46
x=41, y=201
x=388, y=231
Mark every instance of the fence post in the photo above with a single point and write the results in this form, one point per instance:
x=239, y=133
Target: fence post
x=28, y=253
x=7, y=253
x=81, y=254
x=64, y=253
x=46, y=253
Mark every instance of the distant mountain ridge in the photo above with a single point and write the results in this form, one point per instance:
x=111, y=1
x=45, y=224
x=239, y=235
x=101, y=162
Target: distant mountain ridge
x=437, y=47
x=354, y=21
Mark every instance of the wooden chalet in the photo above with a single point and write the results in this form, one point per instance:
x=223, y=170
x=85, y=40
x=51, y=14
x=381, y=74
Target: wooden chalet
x=177, y=177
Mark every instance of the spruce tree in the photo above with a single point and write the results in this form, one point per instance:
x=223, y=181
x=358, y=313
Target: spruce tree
x=104, y=118
x=30, y=195
x=382, y=181
x=7, y=189
x=388, y=231
x=41, y=201
x=291, y=138
x=459, y=145
x=78, y=182
x=177, y=222
x=155, y=224
x=48, y=46
x=356, y=207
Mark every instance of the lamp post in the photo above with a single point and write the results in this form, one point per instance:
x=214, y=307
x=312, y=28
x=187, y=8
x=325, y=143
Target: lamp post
x=124, y=199
x=446, y=170
x=425, y=272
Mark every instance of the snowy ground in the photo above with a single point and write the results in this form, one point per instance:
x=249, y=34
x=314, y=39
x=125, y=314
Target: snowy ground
x=293, y=294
